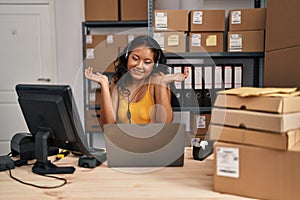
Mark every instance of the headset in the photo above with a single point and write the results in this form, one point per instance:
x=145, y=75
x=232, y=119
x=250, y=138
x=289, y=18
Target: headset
x=156, y=64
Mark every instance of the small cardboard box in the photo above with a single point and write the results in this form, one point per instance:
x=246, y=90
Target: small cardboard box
x=282, y=25
x=171, y=20
x=173, y=42
x=270, y=122
x=207, y=20
x=247, y=19
x=280, y=141
x=259, y=103
x=200, y=125
x=206, y=42
x=101, y=10
x=245, y=41
x=257, y=172
x=134, y=10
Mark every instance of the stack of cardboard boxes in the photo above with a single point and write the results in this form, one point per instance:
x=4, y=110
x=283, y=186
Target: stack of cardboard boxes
x=207, y=29
x=257, y=153
x=170, y=29
x=246, y=30
x=115, y=10
x=281, y=68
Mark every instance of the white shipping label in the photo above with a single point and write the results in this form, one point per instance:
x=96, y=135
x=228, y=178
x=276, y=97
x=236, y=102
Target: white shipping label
x=161, y=20
x=160, y=39
x=201, y=121
x=227, y=162
x=235, y=42
x=236, y=17
x=197, y=17
x=109, y=39
x=89, y=39
x=196, y=40
x=173, y=40
x=90, y=54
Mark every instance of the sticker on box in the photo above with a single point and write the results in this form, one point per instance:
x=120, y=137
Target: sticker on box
x=197, y=17
x=235, y=42
x=161, y=20
x=236, y=17
x=196, y=40
x=227, y=159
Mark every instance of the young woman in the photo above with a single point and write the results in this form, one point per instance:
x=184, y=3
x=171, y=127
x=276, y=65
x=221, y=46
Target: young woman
x=139, y=92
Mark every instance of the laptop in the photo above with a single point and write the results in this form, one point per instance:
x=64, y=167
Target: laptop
x=147, y=145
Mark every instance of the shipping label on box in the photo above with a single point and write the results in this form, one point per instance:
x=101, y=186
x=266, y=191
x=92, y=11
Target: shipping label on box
x=227, y=162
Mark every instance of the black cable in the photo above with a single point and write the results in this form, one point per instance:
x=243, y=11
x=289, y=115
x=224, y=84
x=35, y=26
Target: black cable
x=37, y=186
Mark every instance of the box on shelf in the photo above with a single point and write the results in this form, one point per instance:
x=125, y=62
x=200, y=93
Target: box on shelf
x=279, y=141
x=101, y=10
x=170, y=20
x=278, y=104
x=245, y=41
x=92, y=123
x=173, y=42
x=200, y=125
x=247, y=19
x=277, y=123
x=134, y=10
x=207, y=20
x=257, y=172
x=102, y=50
x=281, y=68
x=282, y=25
x=206, y=42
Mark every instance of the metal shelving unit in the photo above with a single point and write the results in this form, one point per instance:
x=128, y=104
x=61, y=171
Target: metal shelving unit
x=256, y=59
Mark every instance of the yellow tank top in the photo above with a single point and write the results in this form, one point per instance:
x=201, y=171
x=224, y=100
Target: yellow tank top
x=139, y=111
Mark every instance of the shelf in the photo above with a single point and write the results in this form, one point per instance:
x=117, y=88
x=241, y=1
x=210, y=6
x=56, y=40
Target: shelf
x=193, y=55
x=97, y=24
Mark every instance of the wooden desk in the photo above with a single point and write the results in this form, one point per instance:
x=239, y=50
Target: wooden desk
x=193, y=181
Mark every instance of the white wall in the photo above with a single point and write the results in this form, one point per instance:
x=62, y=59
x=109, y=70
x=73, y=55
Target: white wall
x=69, y=15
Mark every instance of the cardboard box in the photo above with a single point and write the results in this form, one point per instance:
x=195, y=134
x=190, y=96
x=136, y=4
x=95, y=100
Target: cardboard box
x=134, y=10
x=101, y=10
x=281, y=68
x=206, y=42
x=173, y=42
x=247, y=19
x=170, y=20
x=280, y=141
x=245, y=41
x=259, y=103
x=257, y=172
x=200, y=125
x=207, y=20
x=282, y=25
x=270, y=122
x=102, y=50
x=92, y=123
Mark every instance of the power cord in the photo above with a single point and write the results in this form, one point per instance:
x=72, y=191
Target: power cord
x=34, y=185
x=38, y=186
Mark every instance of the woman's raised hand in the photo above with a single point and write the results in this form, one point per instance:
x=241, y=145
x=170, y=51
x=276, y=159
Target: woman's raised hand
x=97, y=77
x=169, y=78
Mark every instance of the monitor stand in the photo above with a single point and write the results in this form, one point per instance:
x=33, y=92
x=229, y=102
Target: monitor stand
x=42, y=164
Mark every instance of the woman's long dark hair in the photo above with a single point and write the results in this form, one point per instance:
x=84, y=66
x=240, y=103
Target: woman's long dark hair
x=121, y=62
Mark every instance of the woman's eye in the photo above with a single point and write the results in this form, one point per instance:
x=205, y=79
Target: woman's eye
x=148, y=62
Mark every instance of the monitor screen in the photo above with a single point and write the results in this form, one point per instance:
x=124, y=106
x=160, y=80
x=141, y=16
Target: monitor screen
x=52, y=118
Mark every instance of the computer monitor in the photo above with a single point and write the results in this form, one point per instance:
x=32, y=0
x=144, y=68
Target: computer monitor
x=52, y=118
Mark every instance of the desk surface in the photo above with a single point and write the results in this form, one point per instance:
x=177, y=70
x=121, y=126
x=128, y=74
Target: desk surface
x=193, y=181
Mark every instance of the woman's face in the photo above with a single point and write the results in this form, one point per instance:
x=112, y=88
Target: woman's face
x=140, y=62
